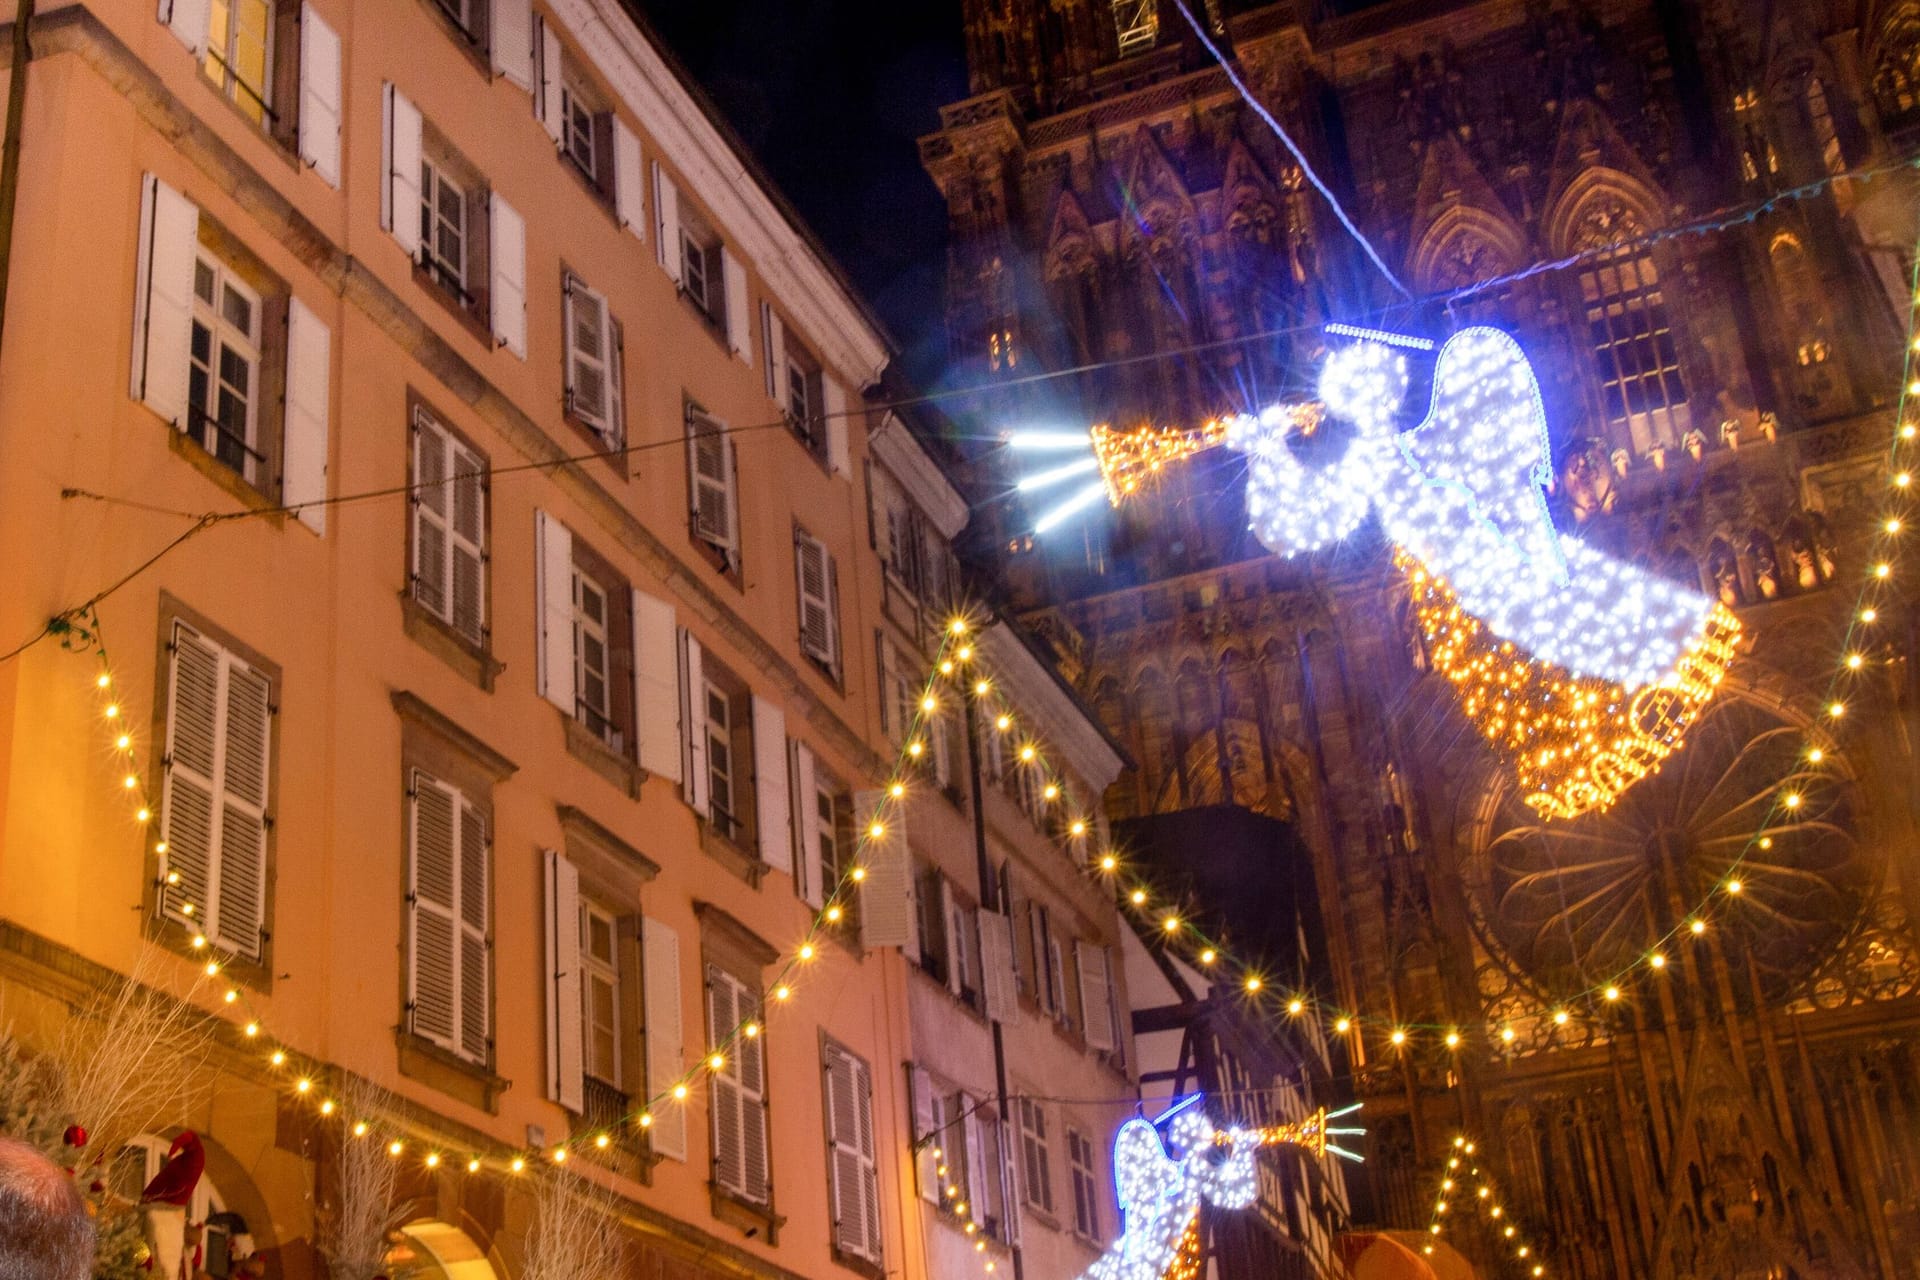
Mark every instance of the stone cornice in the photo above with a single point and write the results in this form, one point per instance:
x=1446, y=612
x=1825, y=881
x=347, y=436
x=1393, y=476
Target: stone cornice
x=78, y=32
x=895, y=449
x=1062, y=721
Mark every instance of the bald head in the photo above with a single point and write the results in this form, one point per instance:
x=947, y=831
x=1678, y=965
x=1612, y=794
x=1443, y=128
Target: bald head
x=45, y=1233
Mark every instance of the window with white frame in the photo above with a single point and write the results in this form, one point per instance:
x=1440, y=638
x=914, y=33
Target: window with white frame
x=592, y=657
x=578, y=132
x=711, y=486
x=853, y=1173
x=1036, y=1175
x=224, y=381
x=449, y=497
x=702, y=277
x=804, y=397
x=593, y=391
x=963, y=950
x=600, y=993
x=215, y=791
x=1086, y=1186
x=818, y=580
x=741, y=1154
x=723, y=773
x=444, y=234
x=960, y=1155
x=449, y=919
x=239, y=56
x=833, y=830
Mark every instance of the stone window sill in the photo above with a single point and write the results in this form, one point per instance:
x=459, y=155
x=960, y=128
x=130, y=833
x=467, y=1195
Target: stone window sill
x=859, y=1266
x=586, y=747
x=229, y=480
x=474, y=664
x=468, y=1082
x=756, y=1221
x=742, y=865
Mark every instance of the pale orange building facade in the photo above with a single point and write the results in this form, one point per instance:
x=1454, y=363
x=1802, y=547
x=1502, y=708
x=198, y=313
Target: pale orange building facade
x=508, y=733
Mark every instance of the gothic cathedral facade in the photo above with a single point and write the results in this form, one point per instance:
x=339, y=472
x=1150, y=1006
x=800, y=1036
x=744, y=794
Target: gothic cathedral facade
x=1723, y=193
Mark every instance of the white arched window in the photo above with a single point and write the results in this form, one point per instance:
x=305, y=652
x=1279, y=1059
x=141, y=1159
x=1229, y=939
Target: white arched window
x=430, y=1250
x=1635, y=356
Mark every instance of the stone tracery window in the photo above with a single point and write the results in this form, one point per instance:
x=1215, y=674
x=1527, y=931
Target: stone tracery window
x=1896, y=72
x=1467, y=258
x=1643, y=397
x=1136, y=25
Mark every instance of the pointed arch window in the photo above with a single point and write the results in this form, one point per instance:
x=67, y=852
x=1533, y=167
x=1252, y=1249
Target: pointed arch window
x=1826, y=136
x=1136, y=25
x=1465, y=259
x=1636, y=360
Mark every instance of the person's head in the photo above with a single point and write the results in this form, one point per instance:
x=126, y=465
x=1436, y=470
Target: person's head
x=45, y=1233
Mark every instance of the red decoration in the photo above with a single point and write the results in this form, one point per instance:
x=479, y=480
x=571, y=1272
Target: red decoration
x=75, y=1136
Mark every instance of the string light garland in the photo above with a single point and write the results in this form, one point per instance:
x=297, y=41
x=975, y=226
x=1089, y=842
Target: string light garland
x=1463, y=1173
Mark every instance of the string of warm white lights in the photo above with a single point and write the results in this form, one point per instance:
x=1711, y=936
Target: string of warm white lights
x=1464, y=1173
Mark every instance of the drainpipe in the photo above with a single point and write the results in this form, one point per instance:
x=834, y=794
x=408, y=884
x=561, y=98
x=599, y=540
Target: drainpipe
x=10, y=145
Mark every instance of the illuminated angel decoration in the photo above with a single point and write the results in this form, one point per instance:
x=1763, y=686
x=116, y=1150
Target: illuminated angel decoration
x=1581, y=670
x=1160, y=1194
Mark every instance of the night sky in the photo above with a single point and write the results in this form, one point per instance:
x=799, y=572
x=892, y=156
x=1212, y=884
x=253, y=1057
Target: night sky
x=831, y=95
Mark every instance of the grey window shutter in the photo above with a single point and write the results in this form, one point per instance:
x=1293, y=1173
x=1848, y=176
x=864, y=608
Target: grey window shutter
x=772, y=792
x=660, y=962
x=163, y=300
x=809, y=871
x=319, y=124
x=553, y=566
x=693, y=719
x=886, y=894
x=1096, y=994
x=400, y=162
x=510, y=29
x=997, y=968
x=656, y=667
x=309, y=390
x=507, y=264
x=432, y=967
x=565, y=1029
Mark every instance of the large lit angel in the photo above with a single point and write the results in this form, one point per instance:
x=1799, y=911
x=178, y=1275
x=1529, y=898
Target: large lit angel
x=1581, y=670
x=1160, y=1193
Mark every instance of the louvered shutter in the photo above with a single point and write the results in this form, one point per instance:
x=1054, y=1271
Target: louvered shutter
x=693, y=722
x=319, y=126
x=432, y=966
x=507, y=264
x=854, y=1193
x=1096, y=994
x=589, y=343
x=309, y=390
x=997, y=969
x=510, y=28
x=193, y=727
x=240, y=884
x=629, y=180
x=187, y=19
x=553, y=566
x=656, y=669
x=400, y=163
x=1041, y=940
x=432, y=500
x=546, y=94
x=809, y=871
x=476, y=999
x=886, y=894
x=660, y=960
x=565, y=1023
x=710, y=480
x=927, y=1137
x=834, y=411
x=772, y=794
x=812, y=566
x=774, y=336
x=739, y=328
x=666, y=222
x=958, y=931
x=163, y=300
x=979, y=1168
x=725, y=1096
x=468, y=550
x=749, y=1062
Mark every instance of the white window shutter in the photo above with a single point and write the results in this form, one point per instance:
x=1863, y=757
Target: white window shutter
x=656, y=695
x=774, y=335
x=666, y=222
x=886, y=894
x=1096, y=994
x=834, y=403
x=693, y=721
x=400, y=161
x=553, y=565
x=958, y=935
x=807, y=868
x=303, y=465
x=589, y=342
x=245, y=767
x=710, y=482
x=507, y=262
x=510, y=28
x=629, y=180
x=748, y=1064
x=469, y=554
x=771, y=793
x=546, y=63
x=660, y=962
x=163, y=300
x=996, y=968
x=739, y=330
x=431, y=501
x=187, y=19
x=476, y=998
x=929, y=1151
x=819, y=628
x=319, y=96
x=566, y=1044
x=973, y=1130
x=725, y=1100
x=432, y=988
x=854, y=1189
